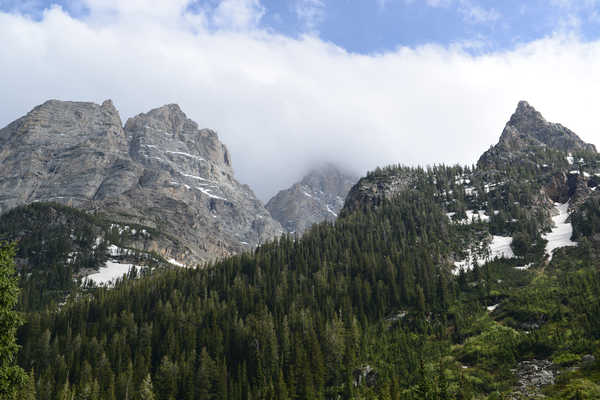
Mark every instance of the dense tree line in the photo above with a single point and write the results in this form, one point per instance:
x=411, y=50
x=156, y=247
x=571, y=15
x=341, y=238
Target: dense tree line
x=12, y=377
x=289, y=321
x=363, y=308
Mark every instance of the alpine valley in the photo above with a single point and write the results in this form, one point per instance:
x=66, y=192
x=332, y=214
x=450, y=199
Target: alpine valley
x=438, y=282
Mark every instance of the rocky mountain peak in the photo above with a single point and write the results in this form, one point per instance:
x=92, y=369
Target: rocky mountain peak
x=61, y=124
x=170, y=118
x=173, y=118
x=524, y=143
x=168, y=130
x=160, y=171
x=526, y=120
x=525, y=111
x=319, y=196
x=528, y=129
x=108, y=104
x=328, y=178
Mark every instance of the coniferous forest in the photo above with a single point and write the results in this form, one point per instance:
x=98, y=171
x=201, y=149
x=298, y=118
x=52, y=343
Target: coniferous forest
x=299, y=200
x=365, y=308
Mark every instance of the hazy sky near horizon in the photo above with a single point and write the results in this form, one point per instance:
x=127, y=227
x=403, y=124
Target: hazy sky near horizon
x=288, y=84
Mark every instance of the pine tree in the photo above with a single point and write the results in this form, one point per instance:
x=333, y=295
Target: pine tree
x=11, y=376
x=27, y=390
x=281, y=391
x=146, y=391
x=166, y=379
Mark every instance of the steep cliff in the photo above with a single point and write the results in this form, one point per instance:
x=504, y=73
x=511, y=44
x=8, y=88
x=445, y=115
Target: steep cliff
x=159, y=170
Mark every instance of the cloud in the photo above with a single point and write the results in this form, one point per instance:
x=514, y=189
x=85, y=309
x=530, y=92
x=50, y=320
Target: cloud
x=281, y=104
x=472, y=12
x=575, y=4
x=26, y=7
x=310, y=13
x=430, y=3
x=238, y=14
x=438, y=3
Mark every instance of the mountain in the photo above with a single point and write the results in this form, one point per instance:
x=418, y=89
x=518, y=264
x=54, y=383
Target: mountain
x=554, y=153
x=318, y=197
x=159, y=171
x=446, y=282
x=538, y=172
x=527, y=129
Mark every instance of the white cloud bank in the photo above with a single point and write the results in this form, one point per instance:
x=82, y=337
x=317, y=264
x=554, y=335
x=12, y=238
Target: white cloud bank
x=280, y=104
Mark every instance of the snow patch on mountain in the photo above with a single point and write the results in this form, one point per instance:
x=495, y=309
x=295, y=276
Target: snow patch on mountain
x=472, y=217
x=176, y=263
x=560, y=236
x=107, y=275
x=499, y=247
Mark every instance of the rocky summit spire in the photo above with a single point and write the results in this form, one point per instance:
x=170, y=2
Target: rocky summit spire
x=526, y=117
x=527, y=128
x=167, y=128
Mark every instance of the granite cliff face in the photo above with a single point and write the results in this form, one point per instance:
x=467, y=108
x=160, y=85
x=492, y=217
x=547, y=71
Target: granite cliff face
x=159, y=170
x=318, y=197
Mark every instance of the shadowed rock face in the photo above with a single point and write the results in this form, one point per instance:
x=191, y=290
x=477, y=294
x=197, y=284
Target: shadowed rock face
x=160, y=171
x=527, y=128
x=318, y=197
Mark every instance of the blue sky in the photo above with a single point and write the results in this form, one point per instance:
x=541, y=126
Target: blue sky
x=369, y=26
x=376, y=26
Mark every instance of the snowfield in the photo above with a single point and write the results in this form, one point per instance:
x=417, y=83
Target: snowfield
x=570, y=159
x=329, y=210
x=115, y=251
x=107, y=275
x=492, y=308
x=176, y=263
x=498, y=248
x=209, y=194
x=560, y=236
x=524, y=267
x=472, y=217
x=180, y=153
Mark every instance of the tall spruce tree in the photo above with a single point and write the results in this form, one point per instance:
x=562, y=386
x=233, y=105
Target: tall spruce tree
x=11, y=376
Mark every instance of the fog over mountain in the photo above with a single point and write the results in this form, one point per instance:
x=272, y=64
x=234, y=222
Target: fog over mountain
x=283, y=104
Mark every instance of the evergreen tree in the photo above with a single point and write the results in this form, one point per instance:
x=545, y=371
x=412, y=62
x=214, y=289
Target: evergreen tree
x=11, y=375
x=146, y=391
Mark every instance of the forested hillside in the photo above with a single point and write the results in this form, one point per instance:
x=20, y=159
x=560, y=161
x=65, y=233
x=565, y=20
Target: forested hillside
x=445, y=282
x=367, y=307
x=58, y=246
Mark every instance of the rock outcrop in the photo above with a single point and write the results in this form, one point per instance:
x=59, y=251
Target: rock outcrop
x=159, y=170
x=318, y=197
x=527, y=129
x=376, y=187
x=532, y=376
